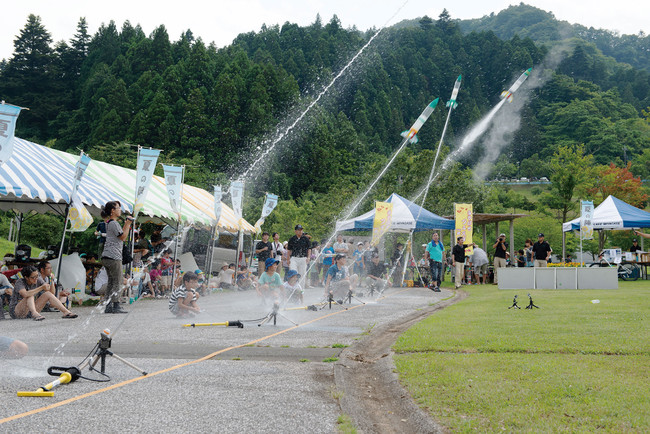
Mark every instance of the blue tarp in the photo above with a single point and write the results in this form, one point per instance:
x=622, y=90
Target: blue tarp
x=404, y=218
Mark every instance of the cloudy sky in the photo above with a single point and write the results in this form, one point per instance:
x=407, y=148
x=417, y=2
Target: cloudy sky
x=221, y=20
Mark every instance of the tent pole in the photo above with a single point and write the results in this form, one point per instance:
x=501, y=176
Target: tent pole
x=58, y=266
x=406, y=257
x=11, y=228
x=210, y=253
x=564, y=247
x=19, y=228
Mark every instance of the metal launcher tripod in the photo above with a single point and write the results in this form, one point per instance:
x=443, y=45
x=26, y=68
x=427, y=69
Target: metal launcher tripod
x=101, y=351
x=273, y=315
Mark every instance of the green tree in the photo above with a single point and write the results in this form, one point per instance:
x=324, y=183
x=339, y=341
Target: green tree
x=571, y=174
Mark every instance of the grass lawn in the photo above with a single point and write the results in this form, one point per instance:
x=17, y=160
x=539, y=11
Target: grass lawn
x=571, y=365
x=7, y=246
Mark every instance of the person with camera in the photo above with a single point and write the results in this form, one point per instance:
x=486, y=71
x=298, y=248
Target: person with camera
x=112, y=254
x=500, y=251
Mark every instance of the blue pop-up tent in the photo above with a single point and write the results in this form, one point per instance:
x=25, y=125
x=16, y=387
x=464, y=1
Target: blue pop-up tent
x=406, y=217
x=613, y=214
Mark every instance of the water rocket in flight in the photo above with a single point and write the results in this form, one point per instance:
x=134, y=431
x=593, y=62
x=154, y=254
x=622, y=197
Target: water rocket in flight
x=454, y=94
x=507, y=94
x=411, y=134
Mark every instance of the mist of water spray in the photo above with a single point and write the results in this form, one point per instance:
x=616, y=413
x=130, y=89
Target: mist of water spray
x=288, y=130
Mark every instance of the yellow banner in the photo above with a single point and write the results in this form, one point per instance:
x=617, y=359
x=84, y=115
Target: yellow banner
x=381, y=224
x=80, y=218
x=464, y=224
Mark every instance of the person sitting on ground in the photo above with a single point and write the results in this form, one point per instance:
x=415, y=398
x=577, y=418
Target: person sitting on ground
x=203, y=284
x=182, y=301
x=339, y=282
x=270, y=282
x=45, y=270
x=6, y=288
x=375, y=279
x=244, y=279
x=141, y=284
x=12, y=348
x=226, y=277
x=30, y=295
x=292, y=288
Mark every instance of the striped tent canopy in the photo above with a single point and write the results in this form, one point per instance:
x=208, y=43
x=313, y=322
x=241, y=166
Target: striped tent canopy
x=204, y=201
x=198, y=204
x=36, y=178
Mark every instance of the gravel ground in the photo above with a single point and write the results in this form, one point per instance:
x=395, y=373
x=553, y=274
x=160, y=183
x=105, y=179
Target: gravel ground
x=264, y=384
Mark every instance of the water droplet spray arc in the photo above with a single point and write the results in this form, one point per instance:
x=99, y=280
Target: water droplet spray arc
x=247, y=173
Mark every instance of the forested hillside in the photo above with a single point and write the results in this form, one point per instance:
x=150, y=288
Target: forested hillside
x=542, y=26
x=215, y=109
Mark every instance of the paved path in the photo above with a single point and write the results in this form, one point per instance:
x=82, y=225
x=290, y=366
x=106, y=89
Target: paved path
x=203, y=379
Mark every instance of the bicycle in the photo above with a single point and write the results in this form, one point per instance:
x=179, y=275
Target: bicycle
x=627, y=271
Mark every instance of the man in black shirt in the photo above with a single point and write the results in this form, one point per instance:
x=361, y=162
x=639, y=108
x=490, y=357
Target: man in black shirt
x=542, y=251
x=263, y=250
x=458, y=261
x=635, y=246
x=500, y=249
x=375, y=271
x=298, y=253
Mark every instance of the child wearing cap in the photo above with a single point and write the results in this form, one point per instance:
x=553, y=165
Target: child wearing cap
x=292, y=288
x=270, y=282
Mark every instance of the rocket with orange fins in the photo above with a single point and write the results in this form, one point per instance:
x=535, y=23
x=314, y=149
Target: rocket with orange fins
x=411, y=134
x=507, y=94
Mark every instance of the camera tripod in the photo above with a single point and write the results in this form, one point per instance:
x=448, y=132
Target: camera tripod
x=273, y=315
x=531, y=305
x=514, y=304
x=101, y=351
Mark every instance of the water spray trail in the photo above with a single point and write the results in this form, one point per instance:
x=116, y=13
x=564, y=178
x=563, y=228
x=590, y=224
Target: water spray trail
x=452, y=104
x=469, y=139
x=320, y=95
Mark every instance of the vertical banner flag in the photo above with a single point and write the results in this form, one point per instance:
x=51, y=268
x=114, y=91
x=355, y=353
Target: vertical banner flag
x=236, y=194
x=586, y=220
x=269, y=204
x=217, y=204
x=8, y=116
x=464, y=224
x=382, y=222
x=79, y=217
x=147, y=159
x=174, y=182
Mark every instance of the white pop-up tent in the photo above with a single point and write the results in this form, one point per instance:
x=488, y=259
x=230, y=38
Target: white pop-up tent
x=406, y=217
x=614, y=214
